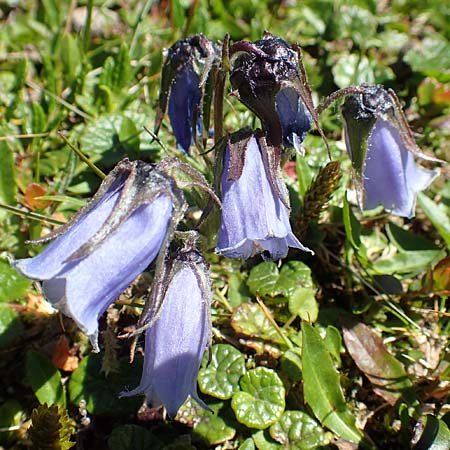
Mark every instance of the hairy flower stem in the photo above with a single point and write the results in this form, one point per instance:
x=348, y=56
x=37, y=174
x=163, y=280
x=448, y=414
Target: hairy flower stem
x=317, y=196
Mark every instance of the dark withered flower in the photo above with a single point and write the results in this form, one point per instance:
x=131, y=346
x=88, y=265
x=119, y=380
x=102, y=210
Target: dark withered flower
x=176, y=342
x=184, y=73
x=255, y=217
x=269, y=82
x=382, y=148
x=107, y=244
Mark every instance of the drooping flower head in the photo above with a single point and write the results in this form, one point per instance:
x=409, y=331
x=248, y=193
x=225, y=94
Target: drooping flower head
x=108, y=243
x=255, y=216
x=184, y=73
x=176, y=342
x=269, y=81
x=382, y=148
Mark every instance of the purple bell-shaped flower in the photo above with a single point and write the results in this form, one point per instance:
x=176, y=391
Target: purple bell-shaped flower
x=182, y=85
x=107, y=244
x=255, y=218
x=177, y=340
x=382, y=149
x=267, y=76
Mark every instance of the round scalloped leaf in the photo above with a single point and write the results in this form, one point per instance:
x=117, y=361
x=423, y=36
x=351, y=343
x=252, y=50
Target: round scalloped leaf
x=221, y=377
x=216, y=425
x=261, y=402
x=263, y=441
x=249, y=320
x=298, y=431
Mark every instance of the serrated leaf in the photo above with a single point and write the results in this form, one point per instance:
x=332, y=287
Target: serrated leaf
x=297, y=431
x=266, y=280
x=261, y=402
x=263, y=278
x=431, y=434
x=133, y=437
x=216, y=426
x=12, y=285
x=102, y=394
x=438, y=215
x=385, y=372
x=220, y=378
x=321, y=387
x=249, y=319
x=44, y=379
x=10, y=325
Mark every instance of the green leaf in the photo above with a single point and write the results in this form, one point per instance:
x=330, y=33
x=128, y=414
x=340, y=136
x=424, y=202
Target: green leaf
x=297, y=431
x=304, y=174
x=438, y=215
x=10, y=415
x=384, y=371
x=321, y=386
x=133, y=437
x=263, y=441
x=430, y=56
x=405, y=240
x=260, y=403
x=291, y=364
x=44, y=379
x=10, y=325
x=249, y=319
x=263, y=278
x=303, y=303
x=177, y=13
x=216, y=425
x=248, y=444
x=12, y=284
x=102, y=394
x=435, y=434
x=333, y=343
x=407, y=262
x=8, y=188
x=351, y=225
x=220, y=377
x=112, y=137
x=70, y=55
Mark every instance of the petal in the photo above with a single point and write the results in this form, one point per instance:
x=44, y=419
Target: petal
x=185, y=95
x=294, y=118
x=52, y=260
x=391, y=178
x=253, y=217
x=85, y=288
x=175, y=345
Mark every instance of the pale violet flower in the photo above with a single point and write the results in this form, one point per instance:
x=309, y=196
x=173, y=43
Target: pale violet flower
x=382, y=151
x=254, y=217
x=106, y=245
x=176, y=342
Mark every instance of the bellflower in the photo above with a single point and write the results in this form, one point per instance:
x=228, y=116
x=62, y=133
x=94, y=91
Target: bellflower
x=107, y=244
x=382, y=149
x=181, y=86
x=255, y=219
x=268, y=79
x=175, y=344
